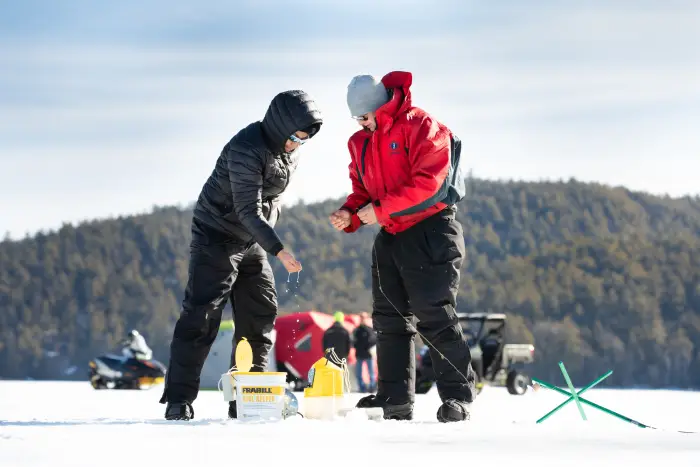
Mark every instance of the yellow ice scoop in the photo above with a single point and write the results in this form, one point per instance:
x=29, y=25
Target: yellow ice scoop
x=244, y=356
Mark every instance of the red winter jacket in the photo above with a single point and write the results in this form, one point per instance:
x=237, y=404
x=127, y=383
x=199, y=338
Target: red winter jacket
x=405, y=161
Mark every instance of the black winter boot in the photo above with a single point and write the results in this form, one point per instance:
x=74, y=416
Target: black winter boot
x=232, y=411
x=391, y=411
x=453, y=410
x=179, y=411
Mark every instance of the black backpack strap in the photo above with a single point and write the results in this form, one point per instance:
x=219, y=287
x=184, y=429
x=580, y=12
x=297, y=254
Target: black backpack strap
x=362, y=161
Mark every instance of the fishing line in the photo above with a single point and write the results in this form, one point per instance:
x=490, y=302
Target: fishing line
x=410, y=324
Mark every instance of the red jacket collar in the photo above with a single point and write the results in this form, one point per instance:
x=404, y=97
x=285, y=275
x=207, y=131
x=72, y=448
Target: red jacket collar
x=399, y=84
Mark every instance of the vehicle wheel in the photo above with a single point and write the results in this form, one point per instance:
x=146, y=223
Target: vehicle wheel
x=517, y=383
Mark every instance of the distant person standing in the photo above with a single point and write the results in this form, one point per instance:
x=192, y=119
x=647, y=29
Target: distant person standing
x=232, y=234
x=337, y=337
x=364, y=339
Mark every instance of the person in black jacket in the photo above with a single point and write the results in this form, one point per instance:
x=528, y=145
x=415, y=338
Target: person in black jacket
x=232, y=234
x=337, y=337
x=365, y=339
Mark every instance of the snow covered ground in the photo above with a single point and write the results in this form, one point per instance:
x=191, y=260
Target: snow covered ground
x=67, y=423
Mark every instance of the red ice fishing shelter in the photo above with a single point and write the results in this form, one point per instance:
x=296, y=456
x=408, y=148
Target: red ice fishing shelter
x=299, y=340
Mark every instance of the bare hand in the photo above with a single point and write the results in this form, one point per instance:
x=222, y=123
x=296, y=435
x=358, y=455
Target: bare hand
x=289, y=262
x=341, y=219
x=367, y=215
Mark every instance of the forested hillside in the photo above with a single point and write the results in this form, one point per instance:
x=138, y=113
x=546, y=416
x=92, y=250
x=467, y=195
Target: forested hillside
x=598, y=277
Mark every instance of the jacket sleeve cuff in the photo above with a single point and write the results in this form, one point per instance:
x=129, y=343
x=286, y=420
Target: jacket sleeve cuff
x=275, y=249
x=355, y=223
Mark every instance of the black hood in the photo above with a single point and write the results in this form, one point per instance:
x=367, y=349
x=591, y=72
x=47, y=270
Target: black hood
x=288, y=112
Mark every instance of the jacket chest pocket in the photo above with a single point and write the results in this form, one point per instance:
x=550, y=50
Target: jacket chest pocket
x=392, y=157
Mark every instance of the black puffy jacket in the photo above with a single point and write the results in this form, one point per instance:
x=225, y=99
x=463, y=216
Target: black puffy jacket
x=241, y=198
x=339, y=339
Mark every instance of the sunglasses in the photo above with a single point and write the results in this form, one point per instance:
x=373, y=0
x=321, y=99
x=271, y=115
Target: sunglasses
x=296, y=139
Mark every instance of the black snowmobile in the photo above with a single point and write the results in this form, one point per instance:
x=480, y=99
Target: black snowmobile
x=110, y=371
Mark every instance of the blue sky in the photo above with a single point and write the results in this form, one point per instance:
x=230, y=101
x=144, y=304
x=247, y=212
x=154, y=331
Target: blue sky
x=108, y=109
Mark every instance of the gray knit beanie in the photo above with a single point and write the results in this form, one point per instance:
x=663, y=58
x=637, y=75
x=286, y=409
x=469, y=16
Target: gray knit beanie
x=366, y=94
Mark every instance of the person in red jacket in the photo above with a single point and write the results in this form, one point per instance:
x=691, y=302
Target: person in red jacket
x=405, y=177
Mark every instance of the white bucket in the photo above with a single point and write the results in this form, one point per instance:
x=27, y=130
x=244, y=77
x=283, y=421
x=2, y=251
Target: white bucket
x=259, y=395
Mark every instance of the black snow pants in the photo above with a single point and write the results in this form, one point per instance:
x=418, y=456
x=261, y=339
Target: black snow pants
x=416, y=273
x=220, y=268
